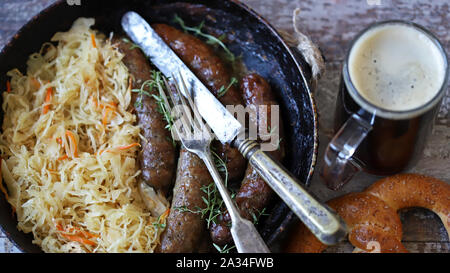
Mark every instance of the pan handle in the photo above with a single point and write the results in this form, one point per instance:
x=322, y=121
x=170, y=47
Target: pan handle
x=321, y=220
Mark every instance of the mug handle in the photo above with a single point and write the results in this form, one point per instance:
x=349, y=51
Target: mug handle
x=339, y=166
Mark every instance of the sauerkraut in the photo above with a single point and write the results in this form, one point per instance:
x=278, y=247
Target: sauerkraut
x=69, y=148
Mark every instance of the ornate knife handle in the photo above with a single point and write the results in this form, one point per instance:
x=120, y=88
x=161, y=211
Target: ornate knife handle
x=323, y=222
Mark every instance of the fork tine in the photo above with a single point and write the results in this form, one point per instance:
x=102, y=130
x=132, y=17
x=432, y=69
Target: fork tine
x=183, y=90
x=163, y=94
x=186, y=119
x=174, y=129
x=198, y=119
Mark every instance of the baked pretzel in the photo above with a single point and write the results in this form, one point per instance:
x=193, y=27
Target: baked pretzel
x=372, y=216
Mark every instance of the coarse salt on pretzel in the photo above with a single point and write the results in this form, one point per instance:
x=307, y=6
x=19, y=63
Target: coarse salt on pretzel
x=372, y=214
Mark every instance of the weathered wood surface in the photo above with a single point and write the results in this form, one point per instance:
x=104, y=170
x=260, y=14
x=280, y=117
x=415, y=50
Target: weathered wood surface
x=332, y=24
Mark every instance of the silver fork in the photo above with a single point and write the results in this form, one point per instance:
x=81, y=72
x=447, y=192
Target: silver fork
x=196, y=137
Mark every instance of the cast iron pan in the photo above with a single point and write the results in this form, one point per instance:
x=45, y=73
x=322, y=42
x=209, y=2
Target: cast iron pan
x=248, y=35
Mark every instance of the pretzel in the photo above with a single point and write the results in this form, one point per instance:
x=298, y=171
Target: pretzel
x=372, y=217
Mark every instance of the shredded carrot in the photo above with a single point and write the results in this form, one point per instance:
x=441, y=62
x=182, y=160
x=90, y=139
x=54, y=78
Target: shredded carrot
x=59, y=140
x=64, y=157
x=77, y=236
x=94, y=44
x=48, y=99
x=8, y=87
x=78, y=231
x=94, y=101
x=83, y=232
x=120, y=148
x=111, y=105
x=78, y=239
x=106, y=115
x=72, y=143
x=128, y=146
x=59, y=227
x=101, y=105
x=164, y=215
x=130, y=83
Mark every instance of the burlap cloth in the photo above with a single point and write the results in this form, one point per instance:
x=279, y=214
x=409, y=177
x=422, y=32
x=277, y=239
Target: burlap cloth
x=307, y=48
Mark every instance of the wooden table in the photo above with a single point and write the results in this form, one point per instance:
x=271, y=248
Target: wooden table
x=332, y=24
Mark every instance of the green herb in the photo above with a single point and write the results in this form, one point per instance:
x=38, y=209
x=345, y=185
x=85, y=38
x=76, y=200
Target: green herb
x=224, y=249
x=222, y=91
x=279, y=143
x=156, y=81
x=233, y=194
x=271, y=132
x=163, y=108
x=213, y=200
x=221, y=166
x=132, y=45
x=256, y=216
x=158, y=225
x=149, y=85
x=141, y=91
x=186, y=209
x=210, y=39
x=213, y=204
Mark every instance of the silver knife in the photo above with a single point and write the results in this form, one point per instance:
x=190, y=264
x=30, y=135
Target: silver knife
x=323, y=222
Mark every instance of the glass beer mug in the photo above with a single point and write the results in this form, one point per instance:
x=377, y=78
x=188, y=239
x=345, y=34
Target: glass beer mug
x=393, y=80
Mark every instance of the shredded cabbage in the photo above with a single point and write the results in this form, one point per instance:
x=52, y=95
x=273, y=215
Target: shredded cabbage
x=70, y=176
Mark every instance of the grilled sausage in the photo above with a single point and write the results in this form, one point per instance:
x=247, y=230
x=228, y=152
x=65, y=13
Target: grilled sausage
x=254, y=194
x=185, y=231
x=210, y=69
x=157, y=156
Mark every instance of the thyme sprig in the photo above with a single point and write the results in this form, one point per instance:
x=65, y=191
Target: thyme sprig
x=158, y=225
x=212, y=200
x=256, y=216
x=147, y=87
x=142, y=92
x=157, y=81
x=161, y=101
x=221, y=166
x=210, y=39
x=132, y=45
x=222, y=91
x=213, y=204
x=224, y=249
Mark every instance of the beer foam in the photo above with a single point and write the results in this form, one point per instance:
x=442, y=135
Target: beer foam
x=396, y=67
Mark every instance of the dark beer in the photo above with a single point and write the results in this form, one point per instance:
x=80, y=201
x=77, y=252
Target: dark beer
x=392, y=145
x=393, y=80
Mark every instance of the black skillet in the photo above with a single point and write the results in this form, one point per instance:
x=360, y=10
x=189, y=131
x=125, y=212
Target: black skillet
x=247, y=34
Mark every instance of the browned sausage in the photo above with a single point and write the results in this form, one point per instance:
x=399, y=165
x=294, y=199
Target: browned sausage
x=157, y=156
x=186, y=231
x=211, y=70
x=254, y=194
